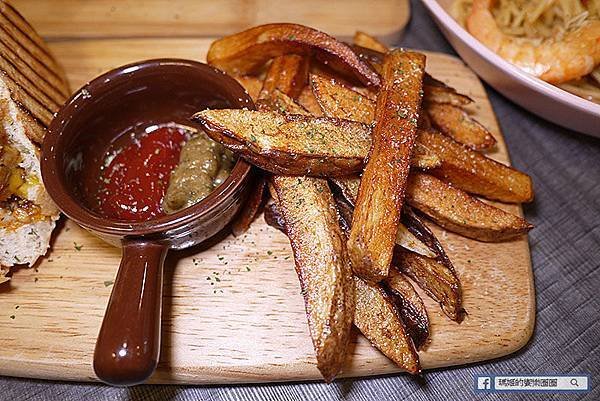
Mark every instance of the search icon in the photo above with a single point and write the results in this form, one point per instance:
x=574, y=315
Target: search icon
x=574, y=382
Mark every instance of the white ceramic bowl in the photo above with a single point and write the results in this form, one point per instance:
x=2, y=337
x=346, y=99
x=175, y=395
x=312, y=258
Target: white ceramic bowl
x=537, y=96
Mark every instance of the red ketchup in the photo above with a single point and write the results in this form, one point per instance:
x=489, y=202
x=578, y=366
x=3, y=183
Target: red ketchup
x=135, y=177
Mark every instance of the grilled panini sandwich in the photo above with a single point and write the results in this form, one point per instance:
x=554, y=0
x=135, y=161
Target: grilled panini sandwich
x=32, y=88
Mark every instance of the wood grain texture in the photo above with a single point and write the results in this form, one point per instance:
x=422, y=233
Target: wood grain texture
x=248, y=326
x=163, y=18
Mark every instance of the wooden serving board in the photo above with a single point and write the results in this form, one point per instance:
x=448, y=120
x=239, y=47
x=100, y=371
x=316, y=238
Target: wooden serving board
x=234, y=312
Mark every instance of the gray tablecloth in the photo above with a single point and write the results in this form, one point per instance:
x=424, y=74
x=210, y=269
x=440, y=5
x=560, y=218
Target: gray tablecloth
x=565, y=246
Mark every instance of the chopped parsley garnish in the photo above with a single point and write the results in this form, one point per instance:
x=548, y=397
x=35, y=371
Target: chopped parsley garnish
x=77, y=246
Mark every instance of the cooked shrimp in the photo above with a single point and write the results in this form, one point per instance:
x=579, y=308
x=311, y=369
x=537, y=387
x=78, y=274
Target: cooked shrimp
x=554, y=61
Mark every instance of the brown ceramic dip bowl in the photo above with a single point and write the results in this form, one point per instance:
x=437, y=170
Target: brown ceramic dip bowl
x=133, y=96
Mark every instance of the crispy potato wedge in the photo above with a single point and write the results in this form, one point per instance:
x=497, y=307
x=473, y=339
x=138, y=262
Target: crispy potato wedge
x=286, y=73
x=368, y=41
x=436, y=276
x=381, y=194
x=339, y=101
x=281, y=103
x=296, y=144
x=290, y=144
x=309, y=102
x=432, y=276
x=438, y=92
x=311, y=221
x=320, y=254
x=432, y=271
x=475, y=173
x=461, y=213
x=245, y=52
x=348, y=187
x=251, y=208
x=406, y=299
x=411, y=306
x=300, y=151
x=435, y=91
x=273, y=216
x=253, y=85
x=378, y=319
x=458, y=125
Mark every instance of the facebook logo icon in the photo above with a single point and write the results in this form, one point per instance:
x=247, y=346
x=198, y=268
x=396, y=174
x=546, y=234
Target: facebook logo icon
x=484, y=383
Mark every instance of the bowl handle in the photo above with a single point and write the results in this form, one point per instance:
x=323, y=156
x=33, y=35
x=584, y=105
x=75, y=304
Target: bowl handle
x=128, y=344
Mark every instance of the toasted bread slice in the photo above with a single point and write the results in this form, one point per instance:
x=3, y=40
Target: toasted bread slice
x=32, y=88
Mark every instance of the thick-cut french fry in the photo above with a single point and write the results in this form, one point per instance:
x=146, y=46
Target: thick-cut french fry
x=461, y=213
x=273, y=216
x=245, y=52
x=349, y=189
x=290, y=144
x=369, y=42
x=281, y=103
x=305, y=145
x=286, y=73
x=309, y=102
x=411, y=306
x=475, y=173
x=433, y=278
x=435, y=91
x=378, y=319
x=311, y=222
x=251, y=208
x=253, y=85
x=432, y=270
x=467, y=169
x=381, y=194
x=438, y=92
x=318, y=244
x=380, y=315
x=436, y=276
x=457, y=124
x=339, y=101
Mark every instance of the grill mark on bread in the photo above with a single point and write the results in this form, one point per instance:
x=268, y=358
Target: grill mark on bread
x=21, y=53
x=27, y=102
x=19, y=22
x=25, y=41
x=32, y=87
x=58, y=94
